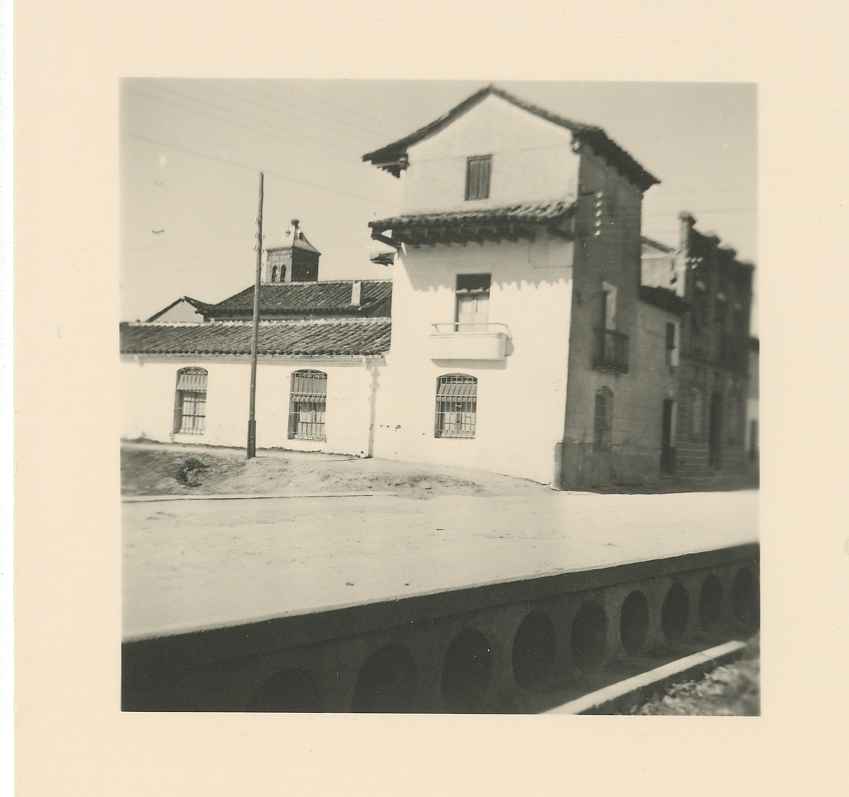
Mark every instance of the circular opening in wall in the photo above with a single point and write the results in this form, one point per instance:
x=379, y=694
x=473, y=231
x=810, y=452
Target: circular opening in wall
x=467, y=671
x=387, y=681
x=675, y=612
x=710, y=602
x=634, y=622
x=288, y=690
x=533, y=650
x=589, y=636
x=744, y=599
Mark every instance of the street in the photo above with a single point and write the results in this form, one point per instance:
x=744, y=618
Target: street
x=190, y=565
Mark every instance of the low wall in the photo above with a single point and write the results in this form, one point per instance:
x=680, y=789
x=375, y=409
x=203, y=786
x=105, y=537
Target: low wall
x=514, y=646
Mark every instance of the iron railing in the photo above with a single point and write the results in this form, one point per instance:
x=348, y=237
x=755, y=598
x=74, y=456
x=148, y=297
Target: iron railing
x=611, y=350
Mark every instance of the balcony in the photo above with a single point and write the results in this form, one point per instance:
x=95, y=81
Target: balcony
x=465, y=341
x=610, y=352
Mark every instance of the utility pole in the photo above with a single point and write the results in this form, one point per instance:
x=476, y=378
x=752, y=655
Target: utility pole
x=251, y=452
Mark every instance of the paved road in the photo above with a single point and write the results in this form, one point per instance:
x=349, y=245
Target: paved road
x=200, y=564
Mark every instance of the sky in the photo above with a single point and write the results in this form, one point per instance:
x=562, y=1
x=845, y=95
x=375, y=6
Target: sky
x=192, y=150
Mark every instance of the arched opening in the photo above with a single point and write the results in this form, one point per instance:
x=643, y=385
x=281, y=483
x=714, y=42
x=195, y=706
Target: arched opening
x=387, y=682
x=274, y=273
x=710, y=602
x=589, y=637
x=603, y=420
x=533, y=650
x=289, y=690
x=467, y=671
x=456, y=406
x=308, y=405
x=675, y=612
x=744, y=599
x=634, y=622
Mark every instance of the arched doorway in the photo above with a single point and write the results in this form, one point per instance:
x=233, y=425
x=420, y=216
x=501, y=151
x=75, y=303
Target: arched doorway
x=715, y=438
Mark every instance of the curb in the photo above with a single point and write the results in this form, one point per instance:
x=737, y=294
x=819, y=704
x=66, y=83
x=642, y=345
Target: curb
x=612, y=699
x=145, y=499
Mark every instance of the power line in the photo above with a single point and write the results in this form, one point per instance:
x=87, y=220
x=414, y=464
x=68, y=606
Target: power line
x=252, y=168
x=273, y=133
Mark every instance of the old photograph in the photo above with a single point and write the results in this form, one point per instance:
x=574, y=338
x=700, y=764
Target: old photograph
x=439, y=397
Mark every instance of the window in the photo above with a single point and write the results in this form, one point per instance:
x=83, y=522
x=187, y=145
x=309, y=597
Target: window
x=671, y=343
x=472, y=299
x=274, y=273
x=478, y=170
x=190, y=405
x=456, y=406
x=608, y=306
x=307, y=405
x=603, y=419
x=697, y=413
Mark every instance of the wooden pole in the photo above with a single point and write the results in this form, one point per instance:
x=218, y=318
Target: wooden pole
x=251, y=452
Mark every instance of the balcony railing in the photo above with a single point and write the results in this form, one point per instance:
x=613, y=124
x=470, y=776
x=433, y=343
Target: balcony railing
x=611, y=351
x=458, y=340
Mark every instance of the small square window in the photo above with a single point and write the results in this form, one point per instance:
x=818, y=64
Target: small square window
x=478, y=171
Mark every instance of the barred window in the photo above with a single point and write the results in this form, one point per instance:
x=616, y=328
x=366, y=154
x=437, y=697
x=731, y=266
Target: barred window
x=190, y=404
x=603, y=419
x=456, y=406
x=307, y=405
x=478, y=170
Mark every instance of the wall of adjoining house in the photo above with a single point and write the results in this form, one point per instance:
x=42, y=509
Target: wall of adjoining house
x=521, y=398
x=532, y=160
x=612, y=257
x=149, y=385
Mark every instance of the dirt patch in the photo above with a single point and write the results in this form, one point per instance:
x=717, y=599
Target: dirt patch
x=149, y=469
x=729, y=690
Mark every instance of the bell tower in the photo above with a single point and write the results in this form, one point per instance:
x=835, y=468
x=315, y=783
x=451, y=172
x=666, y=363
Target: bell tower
x=296, y=260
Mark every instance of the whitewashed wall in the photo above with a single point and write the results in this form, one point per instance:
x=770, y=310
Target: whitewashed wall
x=148, y=392
x=531, y=160
x=521, y=400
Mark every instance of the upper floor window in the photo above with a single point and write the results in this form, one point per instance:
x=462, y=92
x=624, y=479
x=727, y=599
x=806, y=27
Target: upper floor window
x=456, y=406
x=274, y=273
x=671, y=343
x=478, y=171
x=472, y=299
x=307, y=405
x=190, y=404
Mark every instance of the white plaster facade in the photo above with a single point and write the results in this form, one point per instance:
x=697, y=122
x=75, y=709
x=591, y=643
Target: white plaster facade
x=149, y=383
x=520, y=398
x=532, y=160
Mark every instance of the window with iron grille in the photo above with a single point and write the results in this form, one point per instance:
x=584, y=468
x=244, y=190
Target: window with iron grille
x=190, y=404
x=307, y=405
x=603, y=419
x=478, y=170
x=456, y=406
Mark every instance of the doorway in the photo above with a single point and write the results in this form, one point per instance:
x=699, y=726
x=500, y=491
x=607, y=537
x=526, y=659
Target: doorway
x=715, y=439
x=667, y=450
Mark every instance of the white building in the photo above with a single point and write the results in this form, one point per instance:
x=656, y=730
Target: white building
x=523, y=338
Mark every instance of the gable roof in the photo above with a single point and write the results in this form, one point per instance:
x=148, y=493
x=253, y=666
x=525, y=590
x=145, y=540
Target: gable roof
x=325, y=337
x=391, y=156
x=329, y=297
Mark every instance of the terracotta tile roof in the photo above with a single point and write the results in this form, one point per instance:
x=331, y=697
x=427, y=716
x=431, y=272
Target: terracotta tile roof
x=349, y=336
x=393, y=154
x=331, y=297
x=533, y=212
